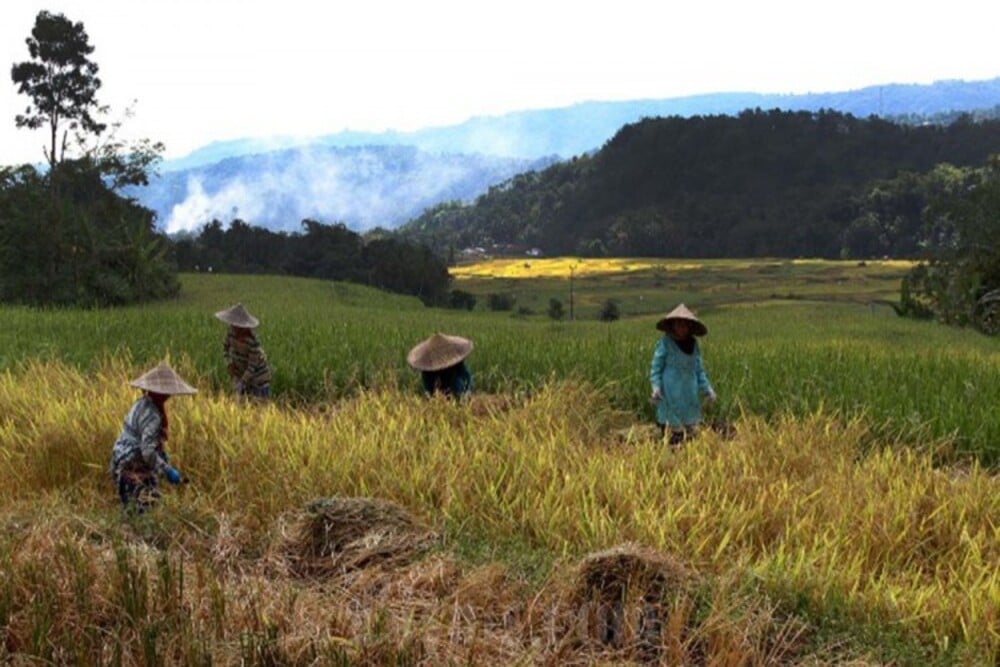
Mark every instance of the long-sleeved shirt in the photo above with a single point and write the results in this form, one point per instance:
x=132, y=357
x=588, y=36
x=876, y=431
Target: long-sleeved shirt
x=139, y=446
x=681, y=379
x=246, y=360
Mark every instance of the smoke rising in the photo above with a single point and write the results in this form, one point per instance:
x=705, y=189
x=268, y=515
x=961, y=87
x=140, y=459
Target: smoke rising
x=362, y=187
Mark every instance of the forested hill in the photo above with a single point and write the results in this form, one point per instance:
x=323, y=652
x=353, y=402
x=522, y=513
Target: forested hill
x=763, y=183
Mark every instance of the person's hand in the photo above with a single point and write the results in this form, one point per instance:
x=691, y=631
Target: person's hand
x=711, y=397
x=656, y=395
x=173, y=476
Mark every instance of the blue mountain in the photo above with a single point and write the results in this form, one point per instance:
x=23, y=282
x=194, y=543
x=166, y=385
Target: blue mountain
x=366, y=179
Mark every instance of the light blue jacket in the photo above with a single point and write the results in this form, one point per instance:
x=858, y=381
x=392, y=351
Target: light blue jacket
x=681, y=379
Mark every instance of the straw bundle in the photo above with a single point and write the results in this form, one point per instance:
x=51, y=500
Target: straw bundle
x=340, y=535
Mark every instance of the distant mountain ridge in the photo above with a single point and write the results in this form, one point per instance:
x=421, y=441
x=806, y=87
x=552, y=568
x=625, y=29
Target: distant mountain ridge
x=366, y=179
x=583, y=127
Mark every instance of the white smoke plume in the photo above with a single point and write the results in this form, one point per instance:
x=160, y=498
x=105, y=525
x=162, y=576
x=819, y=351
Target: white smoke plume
x=361, y=187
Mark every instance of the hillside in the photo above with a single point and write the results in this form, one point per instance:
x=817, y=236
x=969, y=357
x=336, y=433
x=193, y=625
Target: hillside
x=366, y=179
x=763, y=183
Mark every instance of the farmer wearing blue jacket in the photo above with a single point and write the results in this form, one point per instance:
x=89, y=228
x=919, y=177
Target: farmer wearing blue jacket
x=678, y=376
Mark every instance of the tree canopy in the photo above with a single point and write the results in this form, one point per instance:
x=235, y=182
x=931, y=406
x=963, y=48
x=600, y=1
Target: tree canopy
x=958, y=281
x=67, y=236
x=61, y=81
x=328, y=251
x=764, y=183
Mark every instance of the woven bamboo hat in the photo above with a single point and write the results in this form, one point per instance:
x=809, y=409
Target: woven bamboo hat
x=439, y=351
x=163, y=380
x=681, y=312
x=238, y=316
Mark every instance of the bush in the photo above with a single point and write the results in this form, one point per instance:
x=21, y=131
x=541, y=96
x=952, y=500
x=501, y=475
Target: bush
x=497, y=301
x=556, y=311
x=461, y=300
x=609, y=311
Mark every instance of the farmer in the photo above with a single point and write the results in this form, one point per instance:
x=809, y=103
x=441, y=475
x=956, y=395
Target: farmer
x=245, y=358
x=441, y=362
x=138, y=456
x=677, y=375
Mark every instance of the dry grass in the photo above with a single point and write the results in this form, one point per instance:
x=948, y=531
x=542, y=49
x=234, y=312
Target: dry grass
x=735, y=550
x=338, y=535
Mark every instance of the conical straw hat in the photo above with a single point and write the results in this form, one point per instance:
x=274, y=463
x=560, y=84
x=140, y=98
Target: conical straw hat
x=163, y=380
x=681, y=312
x=238, y=316
x=439, y=351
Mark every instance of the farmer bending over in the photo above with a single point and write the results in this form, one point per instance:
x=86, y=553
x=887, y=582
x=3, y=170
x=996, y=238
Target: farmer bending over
x=138, y=456
x=441, y=362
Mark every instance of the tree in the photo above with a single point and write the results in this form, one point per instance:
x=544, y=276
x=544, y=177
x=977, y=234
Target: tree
x=609, y=311
x=61, y=81
x=67, y=237
x=461, y=300
x=959, y=279
x=556, y=311
x=77, y=242
x=500, y=301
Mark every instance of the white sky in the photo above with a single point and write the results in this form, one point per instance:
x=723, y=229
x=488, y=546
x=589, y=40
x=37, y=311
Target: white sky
x=206, y=70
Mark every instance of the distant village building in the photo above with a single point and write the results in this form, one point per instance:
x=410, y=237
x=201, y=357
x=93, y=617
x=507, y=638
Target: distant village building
x=499, y=250
x=476, y=252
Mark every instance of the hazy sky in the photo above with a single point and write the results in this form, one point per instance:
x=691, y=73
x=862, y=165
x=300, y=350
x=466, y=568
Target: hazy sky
x=206, y=70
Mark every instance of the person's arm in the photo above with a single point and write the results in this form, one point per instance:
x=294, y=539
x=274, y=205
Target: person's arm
x=703, y=384
x=656, y=369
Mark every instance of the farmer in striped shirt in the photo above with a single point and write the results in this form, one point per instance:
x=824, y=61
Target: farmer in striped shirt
x=245, y=358
x=138, y=457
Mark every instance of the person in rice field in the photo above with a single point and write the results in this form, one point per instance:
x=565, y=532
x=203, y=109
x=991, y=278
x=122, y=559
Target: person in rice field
x=678, y=376
x=138, y=457
x=245, y=358
x=441, y=362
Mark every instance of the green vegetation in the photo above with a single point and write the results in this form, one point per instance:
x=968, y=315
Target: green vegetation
x=960, y=281
x=332, y=252
x=763, y=183
x=911, y=379
x=67, y=235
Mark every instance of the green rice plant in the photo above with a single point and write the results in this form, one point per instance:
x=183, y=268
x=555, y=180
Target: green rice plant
x=913, y=381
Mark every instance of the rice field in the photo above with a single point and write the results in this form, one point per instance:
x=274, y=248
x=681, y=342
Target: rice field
x=918, y=381
x=848, y=516
x=640, y=286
